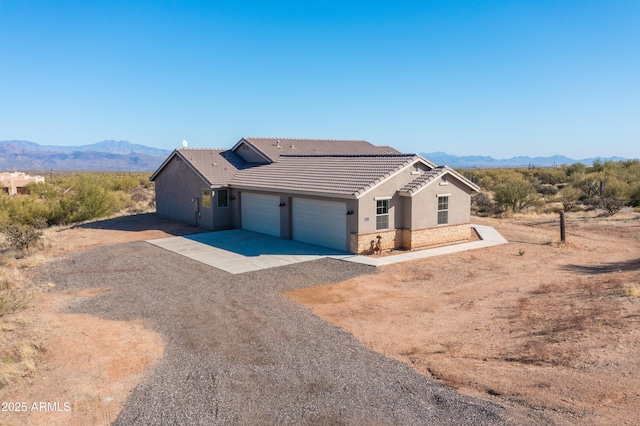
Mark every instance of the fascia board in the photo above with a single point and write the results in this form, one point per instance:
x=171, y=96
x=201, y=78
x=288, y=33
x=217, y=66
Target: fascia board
x=392, y=175
x=290, y=191
x=446, y=172
x=191, y=166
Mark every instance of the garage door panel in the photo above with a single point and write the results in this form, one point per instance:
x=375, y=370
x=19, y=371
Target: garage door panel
x=261, y=213
x=318, y=222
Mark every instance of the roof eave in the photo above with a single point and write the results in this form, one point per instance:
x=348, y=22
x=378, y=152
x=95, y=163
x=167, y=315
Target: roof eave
x=187, y=162
x=451, y=172
x=164, y=163
x=373, y=185
x=290, y=191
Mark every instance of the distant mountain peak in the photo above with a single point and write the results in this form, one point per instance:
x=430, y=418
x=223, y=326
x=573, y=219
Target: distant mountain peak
x=480, y=161
x=105, y=155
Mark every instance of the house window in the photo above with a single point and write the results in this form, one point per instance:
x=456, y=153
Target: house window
x=206, y=198
x=382, y=214
x=223, y=198
x=443, y=209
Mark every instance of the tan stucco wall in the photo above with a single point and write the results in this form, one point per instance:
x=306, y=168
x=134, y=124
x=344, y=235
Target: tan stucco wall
x=424, y=204
x=367, y=202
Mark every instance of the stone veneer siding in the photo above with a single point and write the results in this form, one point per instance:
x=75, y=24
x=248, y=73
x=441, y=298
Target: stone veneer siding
x=411, y=239
x=418, y=238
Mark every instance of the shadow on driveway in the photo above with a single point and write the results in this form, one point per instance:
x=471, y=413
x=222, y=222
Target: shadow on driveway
x=249, y=244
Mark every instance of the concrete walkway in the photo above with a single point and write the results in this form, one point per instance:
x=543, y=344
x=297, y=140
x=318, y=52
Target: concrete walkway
x=238, y=250
x=489, y=237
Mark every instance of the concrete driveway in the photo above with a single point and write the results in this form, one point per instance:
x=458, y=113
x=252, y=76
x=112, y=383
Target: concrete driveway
x=237, y=250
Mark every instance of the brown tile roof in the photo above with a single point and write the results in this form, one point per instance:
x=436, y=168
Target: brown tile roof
x=216, y=166
x=425, y=178
x=422, y=180
x=388, y=149
x=339, y=175
x=274, y=148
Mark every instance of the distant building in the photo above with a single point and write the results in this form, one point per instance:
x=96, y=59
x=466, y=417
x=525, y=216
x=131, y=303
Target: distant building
x=13, y=183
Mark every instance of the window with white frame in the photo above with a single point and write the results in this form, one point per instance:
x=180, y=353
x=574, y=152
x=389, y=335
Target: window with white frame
x=382, y=214
x=443, y=209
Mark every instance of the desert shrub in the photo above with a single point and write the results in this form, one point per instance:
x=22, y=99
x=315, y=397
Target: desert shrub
x=22, y=237
x=122, y=200
x=611, y=205
x=634, y=197
x=12, y=301
x=569, y=196
x=139, y=195
x=550, y=175
x=483, y=204
x=545, y=189
x=90, y=201
x=516, y=194
x=121, y=182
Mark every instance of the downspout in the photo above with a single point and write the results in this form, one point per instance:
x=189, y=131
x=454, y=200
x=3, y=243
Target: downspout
x=196, y=208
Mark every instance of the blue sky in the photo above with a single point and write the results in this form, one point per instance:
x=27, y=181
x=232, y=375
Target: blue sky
x=499, y=78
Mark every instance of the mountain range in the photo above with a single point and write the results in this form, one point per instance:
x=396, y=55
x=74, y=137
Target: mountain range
x=481, y=161
x=102, y=156
x=125, y=156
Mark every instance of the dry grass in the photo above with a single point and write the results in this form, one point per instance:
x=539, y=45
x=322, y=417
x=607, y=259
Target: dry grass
x=551, y=319
x=19, y=342
x=632, y=291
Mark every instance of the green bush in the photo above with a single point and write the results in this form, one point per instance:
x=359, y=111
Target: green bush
x=516, y=194
x=90, y=201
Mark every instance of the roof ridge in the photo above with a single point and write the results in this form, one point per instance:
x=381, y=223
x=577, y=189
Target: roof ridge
x=203, y=149
x=347, y=155
x=305, y=139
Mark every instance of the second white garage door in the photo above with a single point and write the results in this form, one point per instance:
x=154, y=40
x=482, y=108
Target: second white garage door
x=261, y=213
x=323, y=223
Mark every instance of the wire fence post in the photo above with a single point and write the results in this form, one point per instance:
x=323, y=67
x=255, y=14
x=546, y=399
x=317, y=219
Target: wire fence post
x=562, y=232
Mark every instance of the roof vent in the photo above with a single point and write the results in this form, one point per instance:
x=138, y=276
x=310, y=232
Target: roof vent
x=293, y=146
x=278, y=143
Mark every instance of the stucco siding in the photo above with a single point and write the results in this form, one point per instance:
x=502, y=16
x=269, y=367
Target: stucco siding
x=367, y=203
x=176, y=186
x=424, y=208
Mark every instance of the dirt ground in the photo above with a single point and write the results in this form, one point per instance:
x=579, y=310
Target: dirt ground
x=86, y=366
x=550, y=330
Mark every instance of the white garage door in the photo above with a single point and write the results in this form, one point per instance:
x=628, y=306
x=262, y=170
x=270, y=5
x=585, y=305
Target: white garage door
x=323, y=223
x=261, y=213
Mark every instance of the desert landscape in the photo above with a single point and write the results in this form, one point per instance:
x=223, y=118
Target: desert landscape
x=548, y=330
x=543, y=327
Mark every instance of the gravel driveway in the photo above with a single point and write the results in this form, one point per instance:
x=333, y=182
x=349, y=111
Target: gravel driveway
x=238, y=352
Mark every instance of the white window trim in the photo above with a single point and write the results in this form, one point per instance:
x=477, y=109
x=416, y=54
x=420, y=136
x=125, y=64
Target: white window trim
x=447, y=210
x=387, y=214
